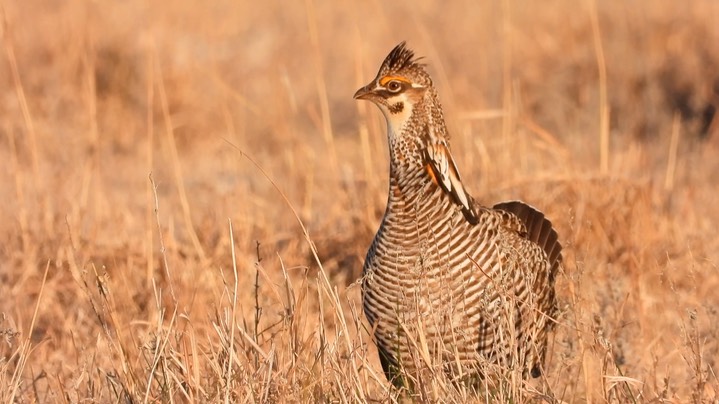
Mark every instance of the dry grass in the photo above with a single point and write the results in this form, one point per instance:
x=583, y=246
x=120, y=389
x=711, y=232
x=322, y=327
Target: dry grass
x=201, y=285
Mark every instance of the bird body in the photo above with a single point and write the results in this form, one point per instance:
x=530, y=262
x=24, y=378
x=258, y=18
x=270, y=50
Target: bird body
x=449, y=286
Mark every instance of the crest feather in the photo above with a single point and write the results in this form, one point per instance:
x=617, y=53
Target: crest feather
x=400, y=58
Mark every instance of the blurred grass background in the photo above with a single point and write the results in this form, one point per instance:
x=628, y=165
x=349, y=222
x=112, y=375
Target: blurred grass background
x=602, y=114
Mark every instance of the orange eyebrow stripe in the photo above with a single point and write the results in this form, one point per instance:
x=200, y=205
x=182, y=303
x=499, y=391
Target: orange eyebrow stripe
x=386, y=79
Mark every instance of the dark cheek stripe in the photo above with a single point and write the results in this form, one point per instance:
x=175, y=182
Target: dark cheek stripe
x=396, y=108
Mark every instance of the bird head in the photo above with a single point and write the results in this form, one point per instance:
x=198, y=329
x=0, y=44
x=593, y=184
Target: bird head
x=400, y=85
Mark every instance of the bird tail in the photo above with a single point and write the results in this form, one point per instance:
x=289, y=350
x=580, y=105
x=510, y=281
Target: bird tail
x=539, y=229
x=541, y=232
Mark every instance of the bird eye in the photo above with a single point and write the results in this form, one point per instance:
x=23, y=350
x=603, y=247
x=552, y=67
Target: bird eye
x=394, y=86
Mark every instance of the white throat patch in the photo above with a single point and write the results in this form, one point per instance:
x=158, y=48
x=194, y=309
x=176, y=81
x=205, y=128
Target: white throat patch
x=398, y=118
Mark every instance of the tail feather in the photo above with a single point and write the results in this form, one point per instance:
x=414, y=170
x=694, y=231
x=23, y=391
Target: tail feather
x=539, y=231
x=539, y=228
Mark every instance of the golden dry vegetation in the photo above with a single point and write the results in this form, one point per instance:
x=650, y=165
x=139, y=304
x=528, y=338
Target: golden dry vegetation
x=159, y=158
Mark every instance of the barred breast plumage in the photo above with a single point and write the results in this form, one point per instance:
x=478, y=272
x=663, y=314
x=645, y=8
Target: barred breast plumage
x=450, y=285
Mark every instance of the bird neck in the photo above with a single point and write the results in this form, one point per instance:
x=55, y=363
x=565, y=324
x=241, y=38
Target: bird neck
x=410, y=177
x=422, y=170
x=409, y=139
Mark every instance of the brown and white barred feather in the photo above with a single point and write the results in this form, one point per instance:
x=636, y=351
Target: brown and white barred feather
x=478, y=294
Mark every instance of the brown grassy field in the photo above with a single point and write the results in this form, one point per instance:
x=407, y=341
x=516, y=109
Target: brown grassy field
x=189, y=191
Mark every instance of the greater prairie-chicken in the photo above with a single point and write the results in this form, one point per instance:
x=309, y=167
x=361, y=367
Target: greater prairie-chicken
x=449, y=285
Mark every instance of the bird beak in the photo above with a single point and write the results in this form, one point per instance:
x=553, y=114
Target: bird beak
x=364, y=92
